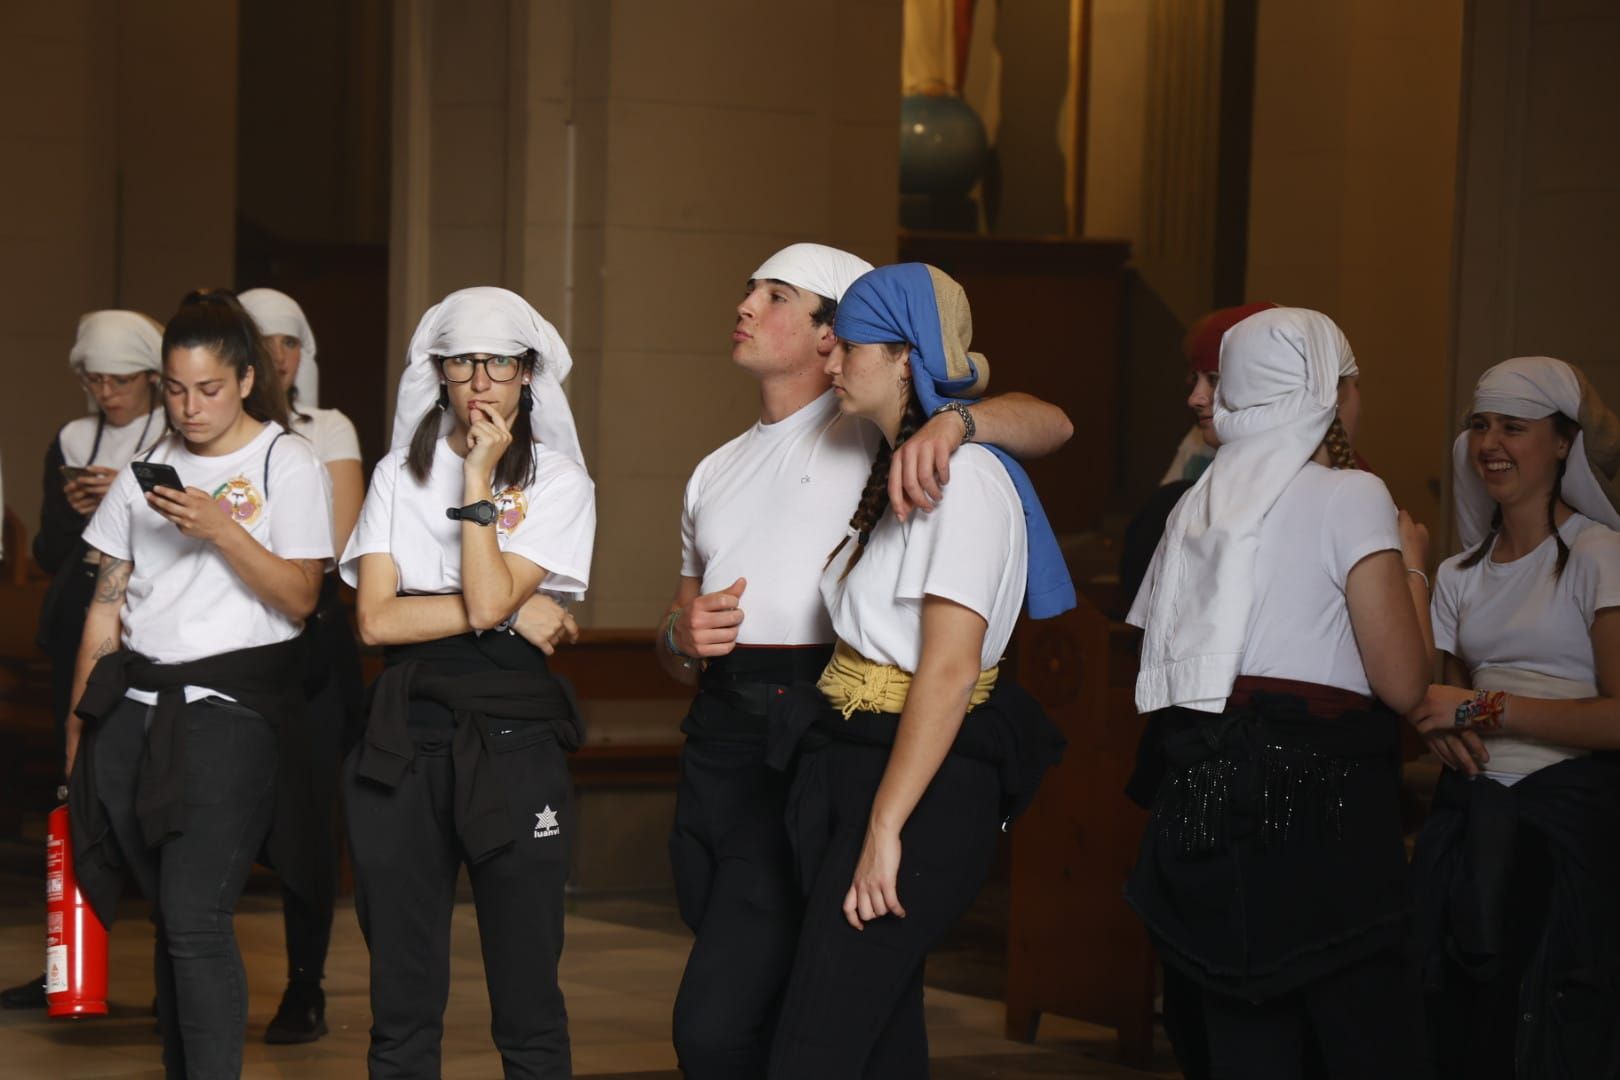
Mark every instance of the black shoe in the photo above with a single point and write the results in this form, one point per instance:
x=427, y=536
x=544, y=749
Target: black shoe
x=301, y=1018
x=28, y=995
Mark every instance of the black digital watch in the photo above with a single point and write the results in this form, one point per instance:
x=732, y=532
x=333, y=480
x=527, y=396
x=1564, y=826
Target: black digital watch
x=482, y=512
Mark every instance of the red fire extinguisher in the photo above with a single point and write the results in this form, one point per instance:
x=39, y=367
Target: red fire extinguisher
x=75, y=940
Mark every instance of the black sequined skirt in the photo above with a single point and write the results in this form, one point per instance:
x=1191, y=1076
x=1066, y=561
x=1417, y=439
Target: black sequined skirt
x=1274, y=854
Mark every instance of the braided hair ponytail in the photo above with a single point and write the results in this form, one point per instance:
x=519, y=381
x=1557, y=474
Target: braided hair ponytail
x=1337, y=444
x=875, y=496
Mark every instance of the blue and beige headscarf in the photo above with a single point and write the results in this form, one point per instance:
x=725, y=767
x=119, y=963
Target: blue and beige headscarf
x=923, y=307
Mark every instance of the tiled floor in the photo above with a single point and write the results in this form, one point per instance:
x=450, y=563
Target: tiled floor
x=620, y=972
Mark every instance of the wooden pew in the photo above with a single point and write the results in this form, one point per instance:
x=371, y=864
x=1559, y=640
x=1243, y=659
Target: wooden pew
x=1075, y=948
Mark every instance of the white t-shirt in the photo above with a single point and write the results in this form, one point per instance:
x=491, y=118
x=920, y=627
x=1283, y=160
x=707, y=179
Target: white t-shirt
x=551, y=523
x=333, y=437
x=184, y=602
x=331, y=433
x=971, y=548
x=769, y=506
x=1324, y=523
x=1517, y=628
x=119, y=445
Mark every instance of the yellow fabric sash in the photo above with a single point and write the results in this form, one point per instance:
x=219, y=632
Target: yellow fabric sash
x=852, y=683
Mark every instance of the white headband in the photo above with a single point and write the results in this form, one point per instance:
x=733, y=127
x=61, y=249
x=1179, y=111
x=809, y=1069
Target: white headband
x=823, y=270
x=275, y=312
x=1279, y=391
x=1528, y=387
x=486, y=319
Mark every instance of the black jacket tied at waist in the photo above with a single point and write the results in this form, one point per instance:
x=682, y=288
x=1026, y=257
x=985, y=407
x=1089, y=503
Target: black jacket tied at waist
x=1467, y=855
x=264, y=679
x=478, y=702
x=1010, y=732
x=1274, y=854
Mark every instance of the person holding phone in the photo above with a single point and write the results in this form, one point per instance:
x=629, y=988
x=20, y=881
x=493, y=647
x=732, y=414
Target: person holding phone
x=333, y=688
x=483, y=503
x=115, y=357
x=210, y=560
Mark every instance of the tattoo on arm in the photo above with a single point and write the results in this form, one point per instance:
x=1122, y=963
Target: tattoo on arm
x=106, y=648
x=112, y=578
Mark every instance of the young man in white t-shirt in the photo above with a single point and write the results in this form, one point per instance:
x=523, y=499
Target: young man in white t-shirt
x=760, y=516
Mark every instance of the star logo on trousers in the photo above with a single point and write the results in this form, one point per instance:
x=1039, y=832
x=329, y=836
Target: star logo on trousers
x=545, y=823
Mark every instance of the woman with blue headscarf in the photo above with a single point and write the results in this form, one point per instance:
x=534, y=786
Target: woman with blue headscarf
x=909, y=766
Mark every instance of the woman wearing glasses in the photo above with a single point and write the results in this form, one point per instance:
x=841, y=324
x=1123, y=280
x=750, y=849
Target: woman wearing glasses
x=483, y=502
x=116, y=359
x=188, y=671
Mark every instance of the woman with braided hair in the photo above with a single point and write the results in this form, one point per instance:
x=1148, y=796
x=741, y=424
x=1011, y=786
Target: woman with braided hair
x=1286, y=595
x=908, y=766
x=1517, y=870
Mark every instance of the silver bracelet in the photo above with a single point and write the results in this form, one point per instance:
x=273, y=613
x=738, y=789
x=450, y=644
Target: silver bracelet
x=1414, y=570
x=961, y=410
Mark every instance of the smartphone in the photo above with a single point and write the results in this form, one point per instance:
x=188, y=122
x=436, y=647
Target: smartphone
x=71, y=473
x=156, y=474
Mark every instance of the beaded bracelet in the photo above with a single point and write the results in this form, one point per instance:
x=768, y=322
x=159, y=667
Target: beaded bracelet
x=1482, y=711
x=687, y=662
x=669, y=635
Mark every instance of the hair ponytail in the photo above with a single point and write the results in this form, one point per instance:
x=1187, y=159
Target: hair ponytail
x=1566, y=429
x=515, y=467
x=875, y=496
x=215, y=320
x=1337, y=444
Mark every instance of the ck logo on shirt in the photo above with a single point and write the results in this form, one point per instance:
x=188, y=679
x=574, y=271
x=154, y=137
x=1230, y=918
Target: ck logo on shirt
x=512, y=507
x=545, y=824
x=239, y=500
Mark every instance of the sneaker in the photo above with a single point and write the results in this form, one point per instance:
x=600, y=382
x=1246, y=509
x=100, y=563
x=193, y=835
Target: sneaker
x=28, y=995
x=301, y=1017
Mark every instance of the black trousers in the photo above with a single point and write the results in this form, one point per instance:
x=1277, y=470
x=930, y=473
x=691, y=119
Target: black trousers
x=1364, y=1019
x=854, y=1003
x=308, y=919
x=195, y=880
x=407, y=858
x=734, y=877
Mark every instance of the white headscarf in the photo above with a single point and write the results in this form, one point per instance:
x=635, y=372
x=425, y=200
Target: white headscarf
x=1279, y=390
x=1533, y=387
x=275, y=312
x=116, y=343
x=486, y=319
x=823, y=270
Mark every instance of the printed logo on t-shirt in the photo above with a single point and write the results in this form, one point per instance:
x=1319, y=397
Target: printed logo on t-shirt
x=512, y=506
x=545, y=823
x=239, y=500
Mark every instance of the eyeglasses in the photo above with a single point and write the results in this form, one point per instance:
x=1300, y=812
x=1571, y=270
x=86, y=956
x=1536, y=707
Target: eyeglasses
x=111, y=382
x=460, y=369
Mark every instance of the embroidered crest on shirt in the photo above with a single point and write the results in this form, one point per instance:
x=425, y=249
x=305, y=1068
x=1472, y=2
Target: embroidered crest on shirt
x=545, y=823
x=511, y=506
x=239, y=500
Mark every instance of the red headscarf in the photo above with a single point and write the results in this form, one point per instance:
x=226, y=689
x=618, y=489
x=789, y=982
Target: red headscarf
x=1202, y=345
